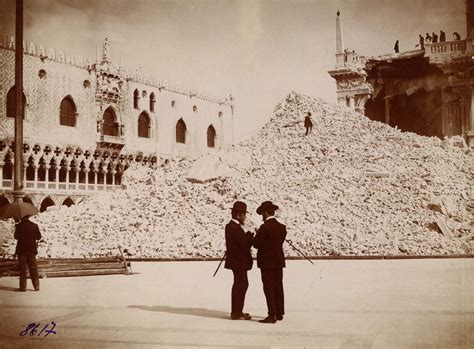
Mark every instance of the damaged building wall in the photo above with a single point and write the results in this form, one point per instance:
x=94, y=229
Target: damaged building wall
x=419, y=112
x=428, y=91
x=416, y=96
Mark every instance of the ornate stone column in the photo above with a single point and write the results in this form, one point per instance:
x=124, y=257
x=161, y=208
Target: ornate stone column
x=87, y=170
x=57, y=177
x=1, y=171
x=35, y=185
x=68, y=168
x=46, y=176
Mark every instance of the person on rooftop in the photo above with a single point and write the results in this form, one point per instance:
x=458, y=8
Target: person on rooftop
x=396, y=47
x=421, y=43
x=442, y=36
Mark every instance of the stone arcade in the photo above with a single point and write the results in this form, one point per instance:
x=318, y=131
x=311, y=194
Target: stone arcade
x=85, y=122
x=428, y=91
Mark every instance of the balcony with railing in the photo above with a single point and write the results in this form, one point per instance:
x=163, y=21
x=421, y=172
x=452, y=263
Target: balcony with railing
x=441, y=52
x=58, y=187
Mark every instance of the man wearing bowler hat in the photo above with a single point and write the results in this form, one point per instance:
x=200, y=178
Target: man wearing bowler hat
x=238, y=258
x=271, y=260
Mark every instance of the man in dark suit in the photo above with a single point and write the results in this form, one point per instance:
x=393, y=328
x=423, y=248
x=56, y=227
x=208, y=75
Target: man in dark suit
x=238, y=258
x=27, y=232
x=271, y=260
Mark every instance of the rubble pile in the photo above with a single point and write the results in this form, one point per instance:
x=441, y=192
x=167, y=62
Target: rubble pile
x=351, y=187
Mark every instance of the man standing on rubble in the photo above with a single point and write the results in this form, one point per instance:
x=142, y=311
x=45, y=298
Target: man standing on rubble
x=308, y=123
x=27, y=232
x=238, y=258
x=271, y=260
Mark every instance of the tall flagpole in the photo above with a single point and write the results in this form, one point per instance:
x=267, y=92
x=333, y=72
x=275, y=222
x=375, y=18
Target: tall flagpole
x=18, y=169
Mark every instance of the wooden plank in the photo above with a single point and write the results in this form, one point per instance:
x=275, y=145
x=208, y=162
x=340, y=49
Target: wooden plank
x=85, y=266
x=66, y=273
x=85, y=272
x=443, y=228
x=78, y=260
x=377, y=174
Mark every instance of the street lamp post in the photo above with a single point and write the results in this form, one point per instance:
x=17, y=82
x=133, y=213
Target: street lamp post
x=18, y=169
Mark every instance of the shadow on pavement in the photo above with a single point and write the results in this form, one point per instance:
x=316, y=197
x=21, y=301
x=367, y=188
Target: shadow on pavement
x=6, y=288
x=216, y=314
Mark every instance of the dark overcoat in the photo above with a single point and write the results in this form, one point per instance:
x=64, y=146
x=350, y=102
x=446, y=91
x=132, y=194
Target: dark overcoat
x=238, y=244
x=27, y=233
x=269, y=242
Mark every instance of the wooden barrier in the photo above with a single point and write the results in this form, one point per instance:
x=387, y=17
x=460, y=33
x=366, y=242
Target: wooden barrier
x=71, y=267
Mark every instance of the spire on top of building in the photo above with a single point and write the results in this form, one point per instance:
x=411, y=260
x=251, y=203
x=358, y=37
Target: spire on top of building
x=339, y=42
x=105, y=51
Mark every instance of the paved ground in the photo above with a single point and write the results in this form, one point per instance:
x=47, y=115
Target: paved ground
x=335, y=304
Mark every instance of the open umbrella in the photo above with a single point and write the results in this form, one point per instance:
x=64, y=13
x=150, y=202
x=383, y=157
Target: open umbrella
x=18, y=210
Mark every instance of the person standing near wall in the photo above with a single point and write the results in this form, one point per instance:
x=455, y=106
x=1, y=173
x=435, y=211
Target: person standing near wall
x=238, y=259
x=396, y=47
x=271, y=260
x=27, y=233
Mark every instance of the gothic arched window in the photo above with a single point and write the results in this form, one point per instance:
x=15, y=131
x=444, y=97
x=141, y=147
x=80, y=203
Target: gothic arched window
x=144, y=125
x=180, y=131
x=11, y=103
x=152, y=102
x=67, y=112
x=136, y=98
x=211, y=137
x=110, y=126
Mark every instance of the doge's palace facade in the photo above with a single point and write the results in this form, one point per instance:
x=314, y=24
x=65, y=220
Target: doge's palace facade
x=86, y=121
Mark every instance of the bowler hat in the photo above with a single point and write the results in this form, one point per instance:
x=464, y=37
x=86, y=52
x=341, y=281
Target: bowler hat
x=239, y=206
x=266, y=205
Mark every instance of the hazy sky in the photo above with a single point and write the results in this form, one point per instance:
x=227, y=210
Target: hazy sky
x=256, y=50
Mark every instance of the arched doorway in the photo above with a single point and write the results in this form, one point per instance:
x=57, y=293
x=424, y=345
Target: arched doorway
x=68, y=202
x=211, y=137
x=28, y=200
x=110, y=126
x=181, y=130
x=3, y=201
x=7, y=167
x=47, y=202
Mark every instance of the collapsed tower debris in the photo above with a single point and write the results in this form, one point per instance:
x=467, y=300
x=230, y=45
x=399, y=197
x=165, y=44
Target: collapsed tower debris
x=352, y=187
x=428, y=90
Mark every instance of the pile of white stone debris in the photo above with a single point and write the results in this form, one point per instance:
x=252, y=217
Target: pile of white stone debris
x=351, y=187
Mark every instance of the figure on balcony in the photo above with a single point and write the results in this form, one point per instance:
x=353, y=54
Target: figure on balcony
x=421, y=43
x=396, y=47
x=428, y=37
x=456, y=36
x=435, y=38
x=442, y=36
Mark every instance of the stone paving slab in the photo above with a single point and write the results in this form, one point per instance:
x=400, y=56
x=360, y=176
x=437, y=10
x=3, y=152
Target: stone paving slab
x=335, y=304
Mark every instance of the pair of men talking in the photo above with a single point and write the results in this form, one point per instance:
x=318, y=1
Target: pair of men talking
x=268, y=240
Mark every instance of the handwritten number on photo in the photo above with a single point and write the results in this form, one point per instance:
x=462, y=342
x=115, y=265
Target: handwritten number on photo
x=33, y=328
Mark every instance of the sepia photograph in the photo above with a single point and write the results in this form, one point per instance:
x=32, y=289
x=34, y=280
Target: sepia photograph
x=237, y=174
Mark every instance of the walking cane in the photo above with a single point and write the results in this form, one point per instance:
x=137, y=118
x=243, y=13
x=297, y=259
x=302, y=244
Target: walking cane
x=223, y=257
x=301, y=253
